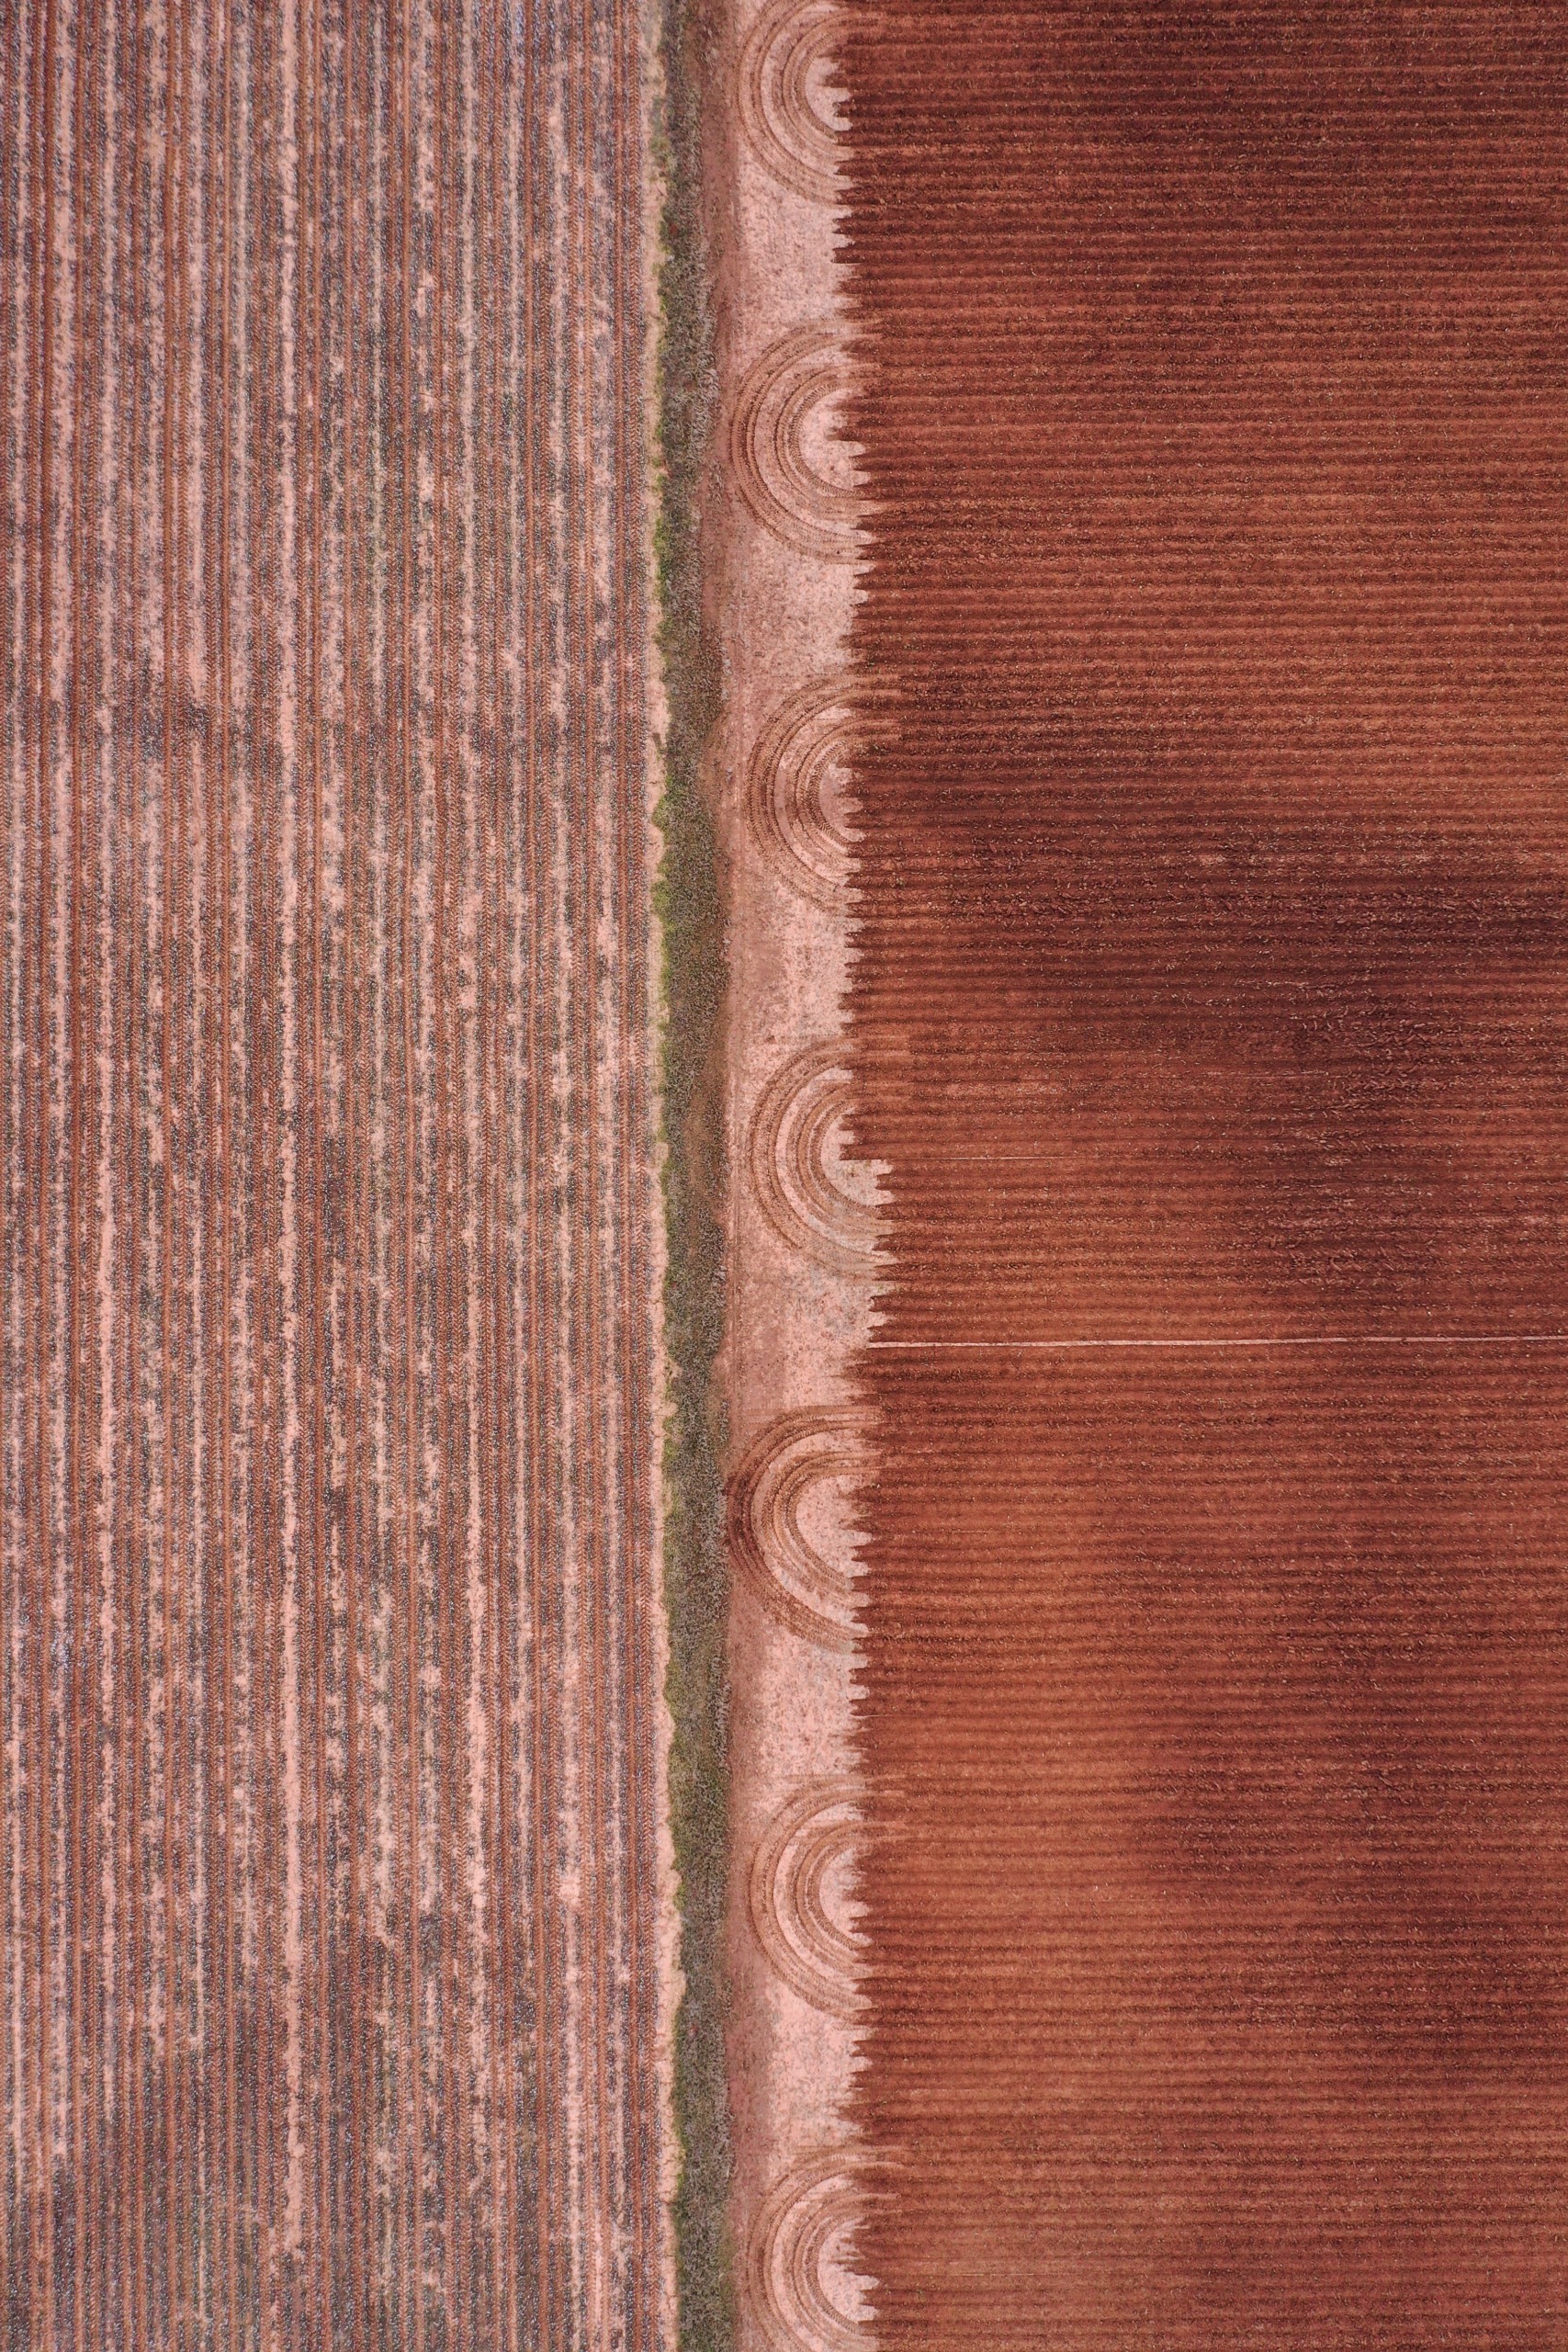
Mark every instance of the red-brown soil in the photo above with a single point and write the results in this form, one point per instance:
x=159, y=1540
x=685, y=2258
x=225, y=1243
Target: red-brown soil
x=1210, y=1013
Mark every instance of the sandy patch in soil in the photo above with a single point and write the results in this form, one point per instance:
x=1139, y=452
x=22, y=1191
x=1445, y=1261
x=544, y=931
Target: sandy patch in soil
x=801, y=1217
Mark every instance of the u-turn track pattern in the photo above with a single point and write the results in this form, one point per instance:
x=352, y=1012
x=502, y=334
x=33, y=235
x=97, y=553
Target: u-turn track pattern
x=329, y=1654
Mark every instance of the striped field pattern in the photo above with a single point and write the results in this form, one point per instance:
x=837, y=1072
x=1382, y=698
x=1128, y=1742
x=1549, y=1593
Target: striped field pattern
x=330, y=1650
x=1209, y=1017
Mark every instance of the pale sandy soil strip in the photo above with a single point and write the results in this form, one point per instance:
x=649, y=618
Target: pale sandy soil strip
x=804, y=1212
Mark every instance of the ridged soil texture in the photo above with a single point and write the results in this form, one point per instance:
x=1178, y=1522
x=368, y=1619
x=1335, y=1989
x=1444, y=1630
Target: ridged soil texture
x=1209, y=1017
x=332, y=2012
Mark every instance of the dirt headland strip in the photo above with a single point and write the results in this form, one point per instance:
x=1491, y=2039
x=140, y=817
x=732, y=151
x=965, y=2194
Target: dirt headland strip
x=801, y=1210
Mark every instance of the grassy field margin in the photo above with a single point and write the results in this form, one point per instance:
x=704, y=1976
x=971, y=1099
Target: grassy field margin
x=691, y=917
